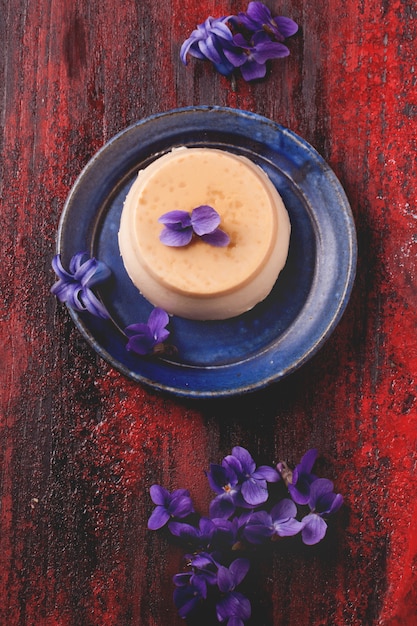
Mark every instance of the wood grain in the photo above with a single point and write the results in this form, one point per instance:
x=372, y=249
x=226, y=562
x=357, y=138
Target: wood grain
x=80, y=444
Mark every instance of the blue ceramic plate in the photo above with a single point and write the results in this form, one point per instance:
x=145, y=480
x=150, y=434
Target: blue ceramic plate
x=219, y=358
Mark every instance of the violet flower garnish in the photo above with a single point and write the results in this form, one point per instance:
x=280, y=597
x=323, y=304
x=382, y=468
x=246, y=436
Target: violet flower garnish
x=280, y=522
x=233, y=606
x=245, y=41
x=251, y=56
x=258, y=18
x=210, y=582
x=203, y=221
x=207, y=42
x=74, y=287
x=253, y=479
x=173, y=505
x=144, y=338
x=322, y=502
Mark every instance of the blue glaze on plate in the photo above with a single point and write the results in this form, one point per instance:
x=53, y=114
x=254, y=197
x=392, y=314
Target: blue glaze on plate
x=245, y=353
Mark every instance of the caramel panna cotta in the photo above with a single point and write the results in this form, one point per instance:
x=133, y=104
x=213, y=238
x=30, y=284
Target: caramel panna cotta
x=201, y=281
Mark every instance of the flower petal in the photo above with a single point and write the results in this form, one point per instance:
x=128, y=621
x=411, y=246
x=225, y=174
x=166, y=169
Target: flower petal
x=159, y=495
x=176, y=238
x=182, y=218
x=157, y=321
x=158, y=518
x=217, y=238
x=204, y=219
x=254, y=491
x=314, y=529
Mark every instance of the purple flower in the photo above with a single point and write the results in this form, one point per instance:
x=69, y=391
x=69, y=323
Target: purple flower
x=253, y=480
x=177, y=504
x=200, y=536
x=280, y=522
x=322, y=502
x=233, y=606
x=251, y=57
x=207, y=42
x=144, y=337
x=74, y=287
x=203, y=221
x=190, y=590
x=300, y=479
x=223, y=480
x=259, y=18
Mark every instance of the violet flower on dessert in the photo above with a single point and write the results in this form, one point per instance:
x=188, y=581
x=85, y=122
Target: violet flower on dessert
x=207, y=42
x=74, y=287
x=203, y=221
x=177, y=504
x=144, y=338
x=323, y=502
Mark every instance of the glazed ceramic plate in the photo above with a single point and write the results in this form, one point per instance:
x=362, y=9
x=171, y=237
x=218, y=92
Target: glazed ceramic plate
x=245, y=353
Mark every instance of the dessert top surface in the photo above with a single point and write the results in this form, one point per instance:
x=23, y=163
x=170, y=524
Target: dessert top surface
x=237, y=189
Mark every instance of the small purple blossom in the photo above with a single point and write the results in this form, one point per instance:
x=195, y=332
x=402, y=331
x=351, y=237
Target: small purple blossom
x=251, y=56
x=213, y=573
x=143, y=338
x=207, y=41
x=177, y=504
x=322, y=503
x=253, y=480
x=200, y=536
x=223, y=481
x=245, y=41
x=203, y=221
x=280, y=522
x=300, y=479
x=190, y=590
x=258, y=18
x=74, y=287
x=233, y=606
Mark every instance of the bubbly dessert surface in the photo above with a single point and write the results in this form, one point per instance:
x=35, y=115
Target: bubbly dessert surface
x=185, y=180
x=199, y=280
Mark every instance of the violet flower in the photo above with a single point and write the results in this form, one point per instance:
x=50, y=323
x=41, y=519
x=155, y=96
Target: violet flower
x=190, y=590
x=251, y=56
x=74, y=287
x=322, y=502
x=280, y=522
x=253, y=480
x=200, y=536
x=223, y=481
x=300, y=479
x=207, y=42
x=203, y=221
x=233, y=606
x=143, y=338
x=258, y=17
x=177, y=504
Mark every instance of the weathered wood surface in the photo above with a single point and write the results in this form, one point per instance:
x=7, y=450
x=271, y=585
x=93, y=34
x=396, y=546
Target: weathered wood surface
x=80, y=445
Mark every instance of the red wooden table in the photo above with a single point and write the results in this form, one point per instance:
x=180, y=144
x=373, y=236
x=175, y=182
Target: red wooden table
x=81, y=444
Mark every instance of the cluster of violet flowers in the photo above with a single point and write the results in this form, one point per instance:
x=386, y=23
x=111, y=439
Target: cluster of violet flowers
x=245, y=41
x=75, y=288
x=240, y=519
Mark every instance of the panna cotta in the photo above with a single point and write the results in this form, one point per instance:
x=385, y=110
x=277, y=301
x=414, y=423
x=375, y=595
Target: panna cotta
x=201, y=281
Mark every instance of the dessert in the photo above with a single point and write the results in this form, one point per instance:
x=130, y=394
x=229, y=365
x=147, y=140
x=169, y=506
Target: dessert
x=201, y=281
